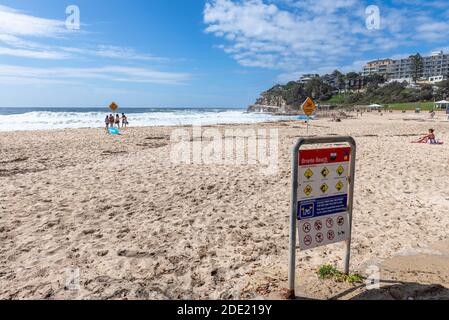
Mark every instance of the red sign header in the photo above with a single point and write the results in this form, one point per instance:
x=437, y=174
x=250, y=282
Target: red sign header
x=324, y=156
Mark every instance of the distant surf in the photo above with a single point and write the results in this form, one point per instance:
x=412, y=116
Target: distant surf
x=31, y=119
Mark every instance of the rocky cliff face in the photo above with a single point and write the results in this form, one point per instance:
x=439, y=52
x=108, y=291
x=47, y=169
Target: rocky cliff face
x=288, y=98
x=267, y=99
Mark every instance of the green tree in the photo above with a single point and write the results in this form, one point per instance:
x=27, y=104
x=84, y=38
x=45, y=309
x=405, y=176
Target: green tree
x=416, y=67
x=426, y=93
x=339, y=80
x=317, y=89
x=352, y=76
x=443, y=90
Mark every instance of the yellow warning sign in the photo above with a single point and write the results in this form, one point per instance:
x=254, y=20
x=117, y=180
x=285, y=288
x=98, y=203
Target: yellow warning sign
x=340, y=186
x=324, y=188
x=309, y=107
x=113, y=106
x=325, y=172
x=308, y=174
x=308, y=191
x=340, y=170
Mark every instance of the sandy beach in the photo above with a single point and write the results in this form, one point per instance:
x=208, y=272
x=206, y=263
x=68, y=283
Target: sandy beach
x=137, y=226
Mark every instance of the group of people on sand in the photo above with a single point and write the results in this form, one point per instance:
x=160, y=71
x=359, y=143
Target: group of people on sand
x=112, y=122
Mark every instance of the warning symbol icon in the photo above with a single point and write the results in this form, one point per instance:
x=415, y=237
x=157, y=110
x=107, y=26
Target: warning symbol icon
x=308, y=174
x=340, y=170
x=324, y=188
x=325, y=172
x=308, y=191
x=339, y=186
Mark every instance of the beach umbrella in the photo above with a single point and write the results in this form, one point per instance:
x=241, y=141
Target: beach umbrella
x=443, y=104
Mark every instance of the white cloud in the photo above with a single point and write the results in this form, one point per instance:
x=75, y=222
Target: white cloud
x=17, y=29
x=433, y=31
x=23, y=53
x=13, y=22
x=112, y=52
x=108, y=73
x=312, y=35
x=22, y=36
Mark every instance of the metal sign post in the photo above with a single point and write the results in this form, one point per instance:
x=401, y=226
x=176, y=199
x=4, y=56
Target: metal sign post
x=322, y=198
x=308, y=107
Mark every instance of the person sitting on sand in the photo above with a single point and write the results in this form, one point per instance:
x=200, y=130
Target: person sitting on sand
x=430, y=138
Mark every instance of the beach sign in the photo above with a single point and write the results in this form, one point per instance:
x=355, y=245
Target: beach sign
x=323, y=217
x=113, y=107
x=322, y=197
x=309, y=107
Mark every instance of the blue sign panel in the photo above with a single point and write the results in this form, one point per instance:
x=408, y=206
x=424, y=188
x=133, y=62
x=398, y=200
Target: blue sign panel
x=322, y=207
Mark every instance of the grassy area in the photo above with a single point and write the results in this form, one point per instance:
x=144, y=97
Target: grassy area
x=330, y=272
x=425, y=106
x=337, y=99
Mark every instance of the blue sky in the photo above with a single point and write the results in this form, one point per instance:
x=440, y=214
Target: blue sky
x=196, y=53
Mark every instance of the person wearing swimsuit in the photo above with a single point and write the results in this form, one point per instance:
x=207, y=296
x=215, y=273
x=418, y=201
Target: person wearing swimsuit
x=117, y=121
x=124, y=120
x=430, y=138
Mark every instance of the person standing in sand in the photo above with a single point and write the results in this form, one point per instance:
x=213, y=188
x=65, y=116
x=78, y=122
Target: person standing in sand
x=117, y=121
x=111, y=121
x=124, y=121
x=106, y=121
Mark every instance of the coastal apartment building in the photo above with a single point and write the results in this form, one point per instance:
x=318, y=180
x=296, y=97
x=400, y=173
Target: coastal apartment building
x=435, y=68
x=306, y=78
x=377, y=67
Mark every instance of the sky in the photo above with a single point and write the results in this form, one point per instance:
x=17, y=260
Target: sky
x=197, y=53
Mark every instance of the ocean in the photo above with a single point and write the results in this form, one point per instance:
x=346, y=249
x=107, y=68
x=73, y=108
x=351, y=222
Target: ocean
x=29, y=119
